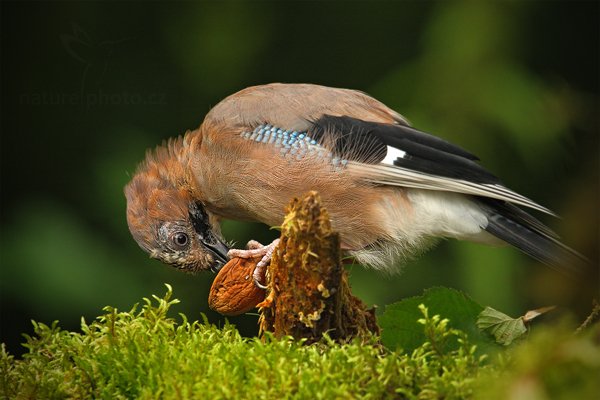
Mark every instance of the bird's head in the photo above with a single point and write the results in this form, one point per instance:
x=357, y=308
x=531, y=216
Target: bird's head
x=167, y=221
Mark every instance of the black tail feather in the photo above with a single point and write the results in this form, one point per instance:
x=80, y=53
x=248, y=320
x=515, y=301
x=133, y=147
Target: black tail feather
x=534, y=239
x=519, y=216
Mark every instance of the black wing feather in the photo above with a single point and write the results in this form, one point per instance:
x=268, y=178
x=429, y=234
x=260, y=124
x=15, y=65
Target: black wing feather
x=349, y=138
x=366, y=141
x=401, y=134
x=427, y=159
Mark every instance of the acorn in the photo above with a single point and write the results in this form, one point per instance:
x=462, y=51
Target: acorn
x=233, y=291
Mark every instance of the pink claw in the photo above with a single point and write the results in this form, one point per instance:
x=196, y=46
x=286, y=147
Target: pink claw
x=255, y=249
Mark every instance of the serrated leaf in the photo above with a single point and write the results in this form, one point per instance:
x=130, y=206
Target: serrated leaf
x=504, y=328
x=400, y=328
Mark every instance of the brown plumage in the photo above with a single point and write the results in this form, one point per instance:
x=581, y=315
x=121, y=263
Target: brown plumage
x=390, y=190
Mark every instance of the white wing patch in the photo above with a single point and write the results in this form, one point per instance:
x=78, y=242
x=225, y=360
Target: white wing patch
x=392, y=154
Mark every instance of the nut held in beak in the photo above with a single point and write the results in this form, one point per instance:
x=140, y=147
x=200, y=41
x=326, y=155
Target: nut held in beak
x=233, y=291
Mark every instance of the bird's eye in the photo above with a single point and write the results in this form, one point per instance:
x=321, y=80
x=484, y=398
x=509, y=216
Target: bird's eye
x=181, y=239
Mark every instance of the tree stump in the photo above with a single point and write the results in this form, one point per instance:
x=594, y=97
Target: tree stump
x=308, y=293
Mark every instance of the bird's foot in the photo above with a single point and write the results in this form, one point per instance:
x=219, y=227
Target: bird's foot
x=255, y=249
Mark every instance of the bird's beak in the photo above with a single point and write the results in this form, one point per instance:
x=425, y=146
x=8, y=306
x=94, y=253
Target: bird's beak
x=219, y=251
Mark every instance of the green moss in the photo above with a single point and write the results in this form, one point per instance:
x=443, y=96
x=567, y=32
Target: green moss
x=144, y=353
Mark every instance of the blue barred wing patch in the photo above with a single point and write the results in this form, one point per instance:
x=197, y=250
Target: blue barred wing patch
x=292, y=144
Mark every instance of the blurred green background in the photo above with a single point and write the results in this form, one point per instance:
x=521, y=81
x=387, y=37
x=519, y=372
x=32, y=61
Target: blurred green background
x=87, y=87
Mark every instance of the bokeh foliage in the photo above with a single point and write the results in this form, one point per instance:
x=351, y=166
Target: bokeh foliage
x=87, y=87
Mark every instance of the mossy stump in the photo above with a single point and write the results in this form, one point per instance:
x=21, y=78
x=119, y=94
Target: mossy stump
x=308, y=292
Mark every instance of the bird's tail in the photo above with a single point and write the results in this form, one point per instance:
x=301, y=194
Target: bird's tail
x=518, y=228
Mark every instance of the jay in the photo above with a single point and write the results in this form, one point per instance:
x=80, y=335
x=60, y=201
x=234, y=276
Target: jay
x=390, y=189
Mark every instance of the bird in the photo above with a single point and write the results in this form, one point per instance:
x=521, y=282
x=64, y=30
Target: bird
x=392, y=191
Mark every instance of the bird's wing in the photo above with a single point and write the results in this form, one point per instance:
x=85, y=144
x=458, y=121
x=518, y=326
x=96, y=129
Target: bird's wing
x=398, y=155
x=360, y=134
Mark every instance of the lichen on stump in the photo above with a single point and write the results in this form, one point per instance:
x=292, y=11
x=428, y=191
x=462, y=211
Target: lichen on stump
x=308, y=293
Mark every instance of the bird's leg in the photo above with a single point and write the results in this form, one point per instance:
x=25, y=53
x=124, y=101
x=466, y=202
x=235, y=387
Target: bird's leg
x=255, y=249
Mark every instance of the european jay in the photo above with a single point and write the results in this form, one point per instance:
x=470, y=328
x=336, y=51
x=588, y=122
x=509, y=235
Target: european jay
x=389, y=188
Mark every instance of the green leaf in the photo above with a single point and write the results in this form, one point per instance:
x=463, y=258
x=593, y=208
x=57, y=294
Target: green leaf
x=400, y=328
x=504, y=328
